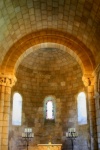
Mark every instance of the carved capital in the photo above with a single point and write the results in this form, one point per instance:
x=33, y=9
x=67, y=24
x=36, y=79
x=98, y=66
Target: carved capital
x=7, y=80
x=88, y=81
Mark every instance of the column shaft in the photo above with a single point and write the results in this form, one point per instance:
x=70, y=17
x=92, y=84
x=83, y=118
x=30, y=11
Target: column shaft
x=1, y=111
x=89, y=84
x=6, y=113
x=6, y=83
x=92, y=117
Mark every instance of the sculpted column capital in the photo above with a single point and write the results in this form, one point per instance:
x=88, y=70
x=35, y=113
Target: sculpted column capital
x=7, y=80
x=88, y=80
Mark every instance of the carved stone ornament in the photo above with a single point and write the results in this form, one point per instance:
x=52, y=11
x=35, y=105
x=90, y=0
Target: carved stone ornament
x=88, y=81
x=7, y=80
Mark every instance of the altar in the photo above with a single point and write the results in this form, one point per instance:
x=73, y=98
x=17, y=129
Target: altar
x=49, y=146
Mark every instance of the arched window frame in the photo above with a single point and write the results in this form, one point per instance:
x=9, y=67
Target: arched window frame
x=17, y=122
x=82, y=120
x=46, y=100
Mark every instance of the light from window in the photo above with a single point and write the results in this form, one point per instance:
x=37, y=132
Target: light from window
x=17, y=109
x=49, y=110
x=82, y=110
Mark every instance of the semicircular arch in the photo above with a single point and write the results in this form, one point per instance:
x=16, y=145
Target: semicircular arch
x=49, y=45
x=48, y=36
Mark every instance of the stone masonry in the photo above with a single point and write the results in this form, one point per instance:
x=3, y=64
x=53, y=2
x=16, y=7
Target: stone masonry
x=43, y=73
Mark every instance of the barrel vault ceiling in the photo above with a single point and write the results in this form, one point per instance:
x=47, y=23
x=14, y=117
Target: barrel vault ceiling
x=80, y=18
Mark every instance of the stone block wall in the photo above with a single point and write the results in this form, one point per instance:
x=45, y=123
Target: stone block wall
x=35, y=85
x=97, y=104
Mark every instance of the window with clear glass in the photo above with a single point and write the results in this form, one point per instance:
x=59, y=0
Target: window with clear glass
x=82, y=109
x=49, y=108
x=17, y=109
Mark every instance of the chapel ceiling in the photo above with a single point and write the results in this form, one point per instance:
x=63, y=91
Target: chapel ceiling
x=48, y=59
x=80, y=18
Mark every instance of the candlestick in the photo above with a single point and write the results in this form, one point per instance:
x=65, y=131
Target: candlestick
x=72, y=134
x=27, y=135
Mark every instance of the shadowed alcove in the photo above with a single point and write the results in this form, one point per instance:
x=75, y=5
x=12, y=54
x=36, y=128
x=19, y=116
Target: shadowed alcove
x=42, y=73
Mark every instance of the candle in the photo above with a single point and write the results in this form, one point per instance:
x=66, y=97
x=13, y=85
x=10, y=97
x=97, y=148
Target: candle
x=32, y=134
x=27, y=133
x=22, y=134
x=69, y=129
x=73, y=129
x=66, y=134
x=25, y=129
x=30, y=129
x=71, y=133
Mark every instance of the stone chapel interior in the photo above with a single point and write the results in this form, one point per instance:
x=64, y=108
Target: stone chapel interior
x=50, y=74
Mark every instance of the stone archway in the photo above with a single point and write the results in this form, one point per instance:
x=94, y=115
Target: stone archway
x=63, y=40
x=45, y=36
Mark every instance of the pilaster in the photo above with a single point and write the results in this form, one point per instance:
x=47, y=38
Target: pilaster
x=89, y=86
x=96, y=74
x=6, y=83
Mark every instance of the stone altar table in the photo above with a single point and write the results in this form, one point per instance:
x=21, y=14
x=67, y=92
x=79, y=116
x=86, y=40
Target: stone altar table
x=49, y=146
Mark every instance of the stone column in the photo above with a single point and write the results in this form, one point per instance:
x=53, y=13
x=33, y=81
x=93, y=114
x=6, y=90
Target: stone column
x=96, y=74
x=6, y=83
x=89, y=85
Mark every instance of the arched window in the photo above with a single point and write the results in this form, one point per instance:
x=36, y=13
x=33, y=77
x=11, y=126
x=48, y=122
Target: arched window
x=49, y=108
x=82, y=110
x=17, y=109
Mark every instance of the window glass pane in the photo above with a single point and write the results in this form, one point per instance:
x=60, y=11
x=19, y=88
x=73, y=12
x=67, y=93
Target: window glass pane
x=17, y=109
x=49, y=110
x=82, y=111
